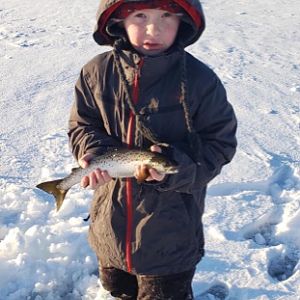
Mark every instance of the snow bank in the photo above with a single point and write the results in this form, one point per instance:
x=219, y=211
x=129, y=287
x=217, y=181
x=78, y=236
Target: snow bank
x=252, y=209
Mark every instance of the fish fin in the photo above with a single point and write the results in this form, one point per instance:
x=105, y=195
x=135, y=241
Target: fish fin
x=50, y=187
x=75, y=169
x=143, y=174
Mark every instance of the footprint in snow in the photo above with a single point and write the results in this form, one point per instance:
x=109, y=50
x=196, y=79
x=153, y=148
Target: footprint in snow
x=282, y=180
x=282, y=266
x=263, y=235
x=216, y=292
x=261, y=231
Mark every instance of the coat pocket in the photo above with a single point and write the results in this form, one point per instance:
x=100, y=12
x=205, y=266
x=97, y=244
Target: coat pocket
x=167, y=236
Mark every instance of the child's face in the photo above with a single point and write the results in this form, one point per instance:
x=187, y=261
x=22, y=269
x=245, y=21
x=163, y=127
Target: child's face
x=151, y=31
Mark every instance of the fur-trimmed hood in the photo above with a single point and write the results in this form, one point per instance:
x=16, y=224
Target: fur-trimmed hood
x=192, y=30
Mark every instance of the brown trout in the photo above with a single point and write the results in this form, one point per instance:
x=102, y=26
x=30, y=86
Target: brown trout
x=119, y=163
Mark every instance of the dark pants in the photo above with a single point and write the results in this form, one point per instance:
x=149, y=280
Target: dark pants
x=123, y=285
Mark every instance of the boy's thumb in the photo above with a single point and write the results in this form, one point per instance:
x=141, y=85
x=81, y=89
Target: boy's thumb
x=85, y=160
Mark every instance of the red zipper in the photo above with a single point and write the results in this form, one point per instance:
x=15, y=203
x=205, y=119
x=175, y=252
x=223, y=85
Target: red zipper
x=130, y=143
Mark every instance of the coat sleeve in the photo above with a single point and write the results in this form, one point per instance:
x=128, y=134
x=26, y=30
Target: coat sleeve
x=87, y=133
x=204, y=153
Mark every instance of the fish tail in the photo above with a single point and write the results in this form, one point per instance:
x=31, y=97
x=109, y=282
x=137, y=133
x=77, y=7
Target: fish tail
x=50, y=187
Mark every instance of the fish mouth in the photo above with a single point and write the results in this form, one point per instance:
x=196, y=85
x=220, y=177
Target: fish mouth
x=172, y=170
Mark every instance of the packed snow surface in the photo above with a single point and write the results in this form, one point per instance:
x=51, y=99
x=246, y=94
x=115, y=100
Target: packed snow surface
x=252, y=215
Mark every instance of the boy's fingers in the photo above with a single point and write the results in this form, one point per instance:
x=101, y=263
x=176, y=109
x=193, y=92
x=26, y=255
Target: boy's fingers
x=105, y=176
x=155, y=148
x=95, y=179
x=137, y=171
x=141, y=173
x=84, y=181
x=98, y=175
x=85, y=160
x=154, y=175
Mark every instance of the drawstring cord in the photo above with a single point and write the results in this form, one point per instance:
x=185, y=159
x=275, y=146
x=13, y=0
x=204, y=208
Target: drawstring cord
x=184, y=94
x=140, y=127
x=144, y=130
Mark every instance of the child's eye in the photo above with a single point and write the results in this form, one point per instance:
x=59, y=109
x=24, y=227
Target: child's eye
x=140, y=15
x=167, y=14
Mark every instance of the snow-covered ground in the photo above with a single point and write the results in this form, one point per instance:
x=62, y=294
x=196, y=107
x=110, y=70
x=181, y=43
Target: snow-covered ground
x=252, y=216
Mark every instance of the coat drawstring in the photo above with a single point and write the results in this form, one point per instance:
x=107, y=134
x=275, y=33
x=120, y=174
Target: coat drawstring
x=141, y=127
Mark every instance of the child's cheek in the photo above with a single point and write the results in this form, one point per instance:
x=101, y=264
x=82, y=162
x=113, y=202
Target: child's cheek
x=135, y=35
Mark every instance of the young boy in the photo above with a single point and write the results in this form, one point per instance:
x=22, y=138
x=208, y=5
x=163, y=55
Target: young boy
x=149, y=92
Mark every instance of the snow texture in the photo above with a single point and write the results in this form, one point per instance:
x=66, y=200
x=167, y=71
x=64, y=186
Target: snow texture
x=252, y=215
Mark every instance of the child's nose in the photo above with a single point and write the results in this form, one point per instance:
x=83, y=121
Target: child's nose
x=153, y=29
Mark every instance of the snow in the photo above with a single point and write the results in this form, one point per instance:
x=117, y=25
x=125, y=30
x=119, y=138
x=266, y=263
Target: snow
x=252, y=215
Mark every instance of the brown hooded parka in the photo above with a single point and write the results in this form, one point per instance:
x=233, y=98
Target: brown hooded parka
x=152, y=228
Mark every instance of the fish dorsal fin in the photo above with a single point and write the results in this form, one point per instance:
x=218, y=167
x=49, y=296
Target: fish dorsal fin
x=75, y=169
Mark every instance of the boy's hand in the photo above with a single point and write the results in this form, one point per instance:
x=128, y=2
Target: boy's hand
x=152, y=173
x=95, y=178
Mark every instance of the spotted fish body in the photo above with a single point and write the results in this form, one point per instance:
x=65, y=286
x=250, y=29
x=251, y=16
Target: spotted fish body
x=121, y=163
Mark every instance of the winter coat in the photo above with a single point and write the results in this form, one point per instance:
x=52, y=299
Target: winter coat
x=152, y=228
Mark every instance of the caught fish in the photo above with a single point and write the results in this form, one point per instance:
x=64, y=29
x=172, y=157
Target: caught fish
x=119, y=163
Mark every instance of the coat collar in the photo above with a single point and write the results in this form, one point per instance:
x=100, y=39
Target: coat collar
x=149, y=68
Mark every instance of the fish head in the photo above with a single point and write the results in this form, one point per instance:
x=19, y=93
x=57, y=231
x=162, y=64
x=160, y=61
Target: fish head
x=163, y=164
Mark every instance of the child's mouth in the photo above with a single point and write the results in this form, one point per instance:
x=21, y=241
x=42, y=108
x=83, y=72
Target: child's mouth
x=152, y=46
